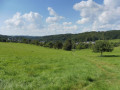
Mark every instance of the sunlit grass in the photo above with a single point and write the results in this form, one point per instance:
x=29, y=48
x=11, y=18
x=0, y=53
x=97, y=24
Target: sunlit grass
x=31, y=67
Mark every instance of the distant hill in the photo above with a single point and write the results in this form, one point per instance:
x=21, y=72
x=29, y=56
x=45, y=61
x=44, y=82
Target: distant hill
x=86, y=36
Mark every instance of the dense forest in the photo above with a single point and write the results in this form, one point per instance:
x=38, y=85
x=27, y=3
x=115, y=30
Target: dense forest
x=81, y=37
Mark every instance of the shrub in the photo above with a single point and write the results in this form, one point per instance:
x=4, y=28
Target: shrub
x=67, y=45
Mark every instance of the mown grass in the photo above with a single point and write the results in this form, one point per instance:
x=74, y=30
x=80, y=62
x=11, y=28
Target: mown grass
x=29, y=67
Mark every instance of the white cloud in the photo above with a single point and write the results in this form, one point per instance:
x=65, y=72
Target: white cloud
x=93, y=17
x=99, y=15
x=83, y=20
x=54, y=27
x=24, y=24
x=53, y=18
x=86, y=29
x=112, y=3
x=15, y=21
x=23, y=21
x=88, y=8
x=110, y=16
x=57, y=28
x=51, y=11
x=73, y=27
x=32, y=24
x=67, y=23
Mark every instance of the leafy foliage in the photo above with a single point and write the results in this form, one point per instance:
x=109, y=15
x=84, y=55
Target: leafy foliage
x=50, y=44
x=102, y=46
x=82, y=45
x=67, y=45
x=58, y=45
x=81, y=37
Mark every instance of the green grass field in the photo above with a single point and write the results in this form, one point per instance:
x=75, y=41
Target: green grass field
x=115, y=40
x=29, y=67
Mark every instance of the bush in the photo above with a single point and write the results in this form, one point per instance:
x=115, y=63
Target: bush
x=50, y=45
x=116, y=44
x=82, y=45
x=58, y=45
x=67, y=45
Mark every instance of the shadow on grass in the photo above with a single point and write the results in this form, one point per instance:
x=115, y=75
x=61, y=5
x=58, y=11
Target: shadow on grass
x=110, y=56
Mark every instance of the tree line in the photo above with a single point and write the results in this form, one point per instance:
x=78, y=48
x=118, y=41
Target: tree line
x=99, y=46
x=76, y=41
x=81, y=37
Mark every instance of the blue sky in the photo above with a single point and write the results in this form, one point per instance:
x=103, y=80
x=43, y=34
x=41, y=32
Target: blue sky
x=63, y=7
x=48, y=17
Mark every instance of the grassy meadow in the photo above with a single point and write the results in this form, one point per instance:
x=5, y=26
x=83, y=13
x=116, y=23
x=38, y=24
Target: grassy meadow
x=115, y=40
x=30, y=67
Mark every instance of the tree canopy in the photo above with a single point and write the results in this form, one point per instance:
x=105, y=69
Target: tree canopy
x=67, y=45
x=102, y=46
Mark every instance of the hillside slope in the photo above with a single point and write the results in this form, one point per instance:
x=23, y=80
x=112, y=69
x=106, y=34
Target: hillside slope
x=29, y=67
x=80, y=37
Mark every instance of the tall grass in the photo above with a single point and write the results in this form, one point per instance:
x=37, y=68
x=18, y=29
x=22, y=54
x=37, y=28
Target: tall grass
x=29, y=67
